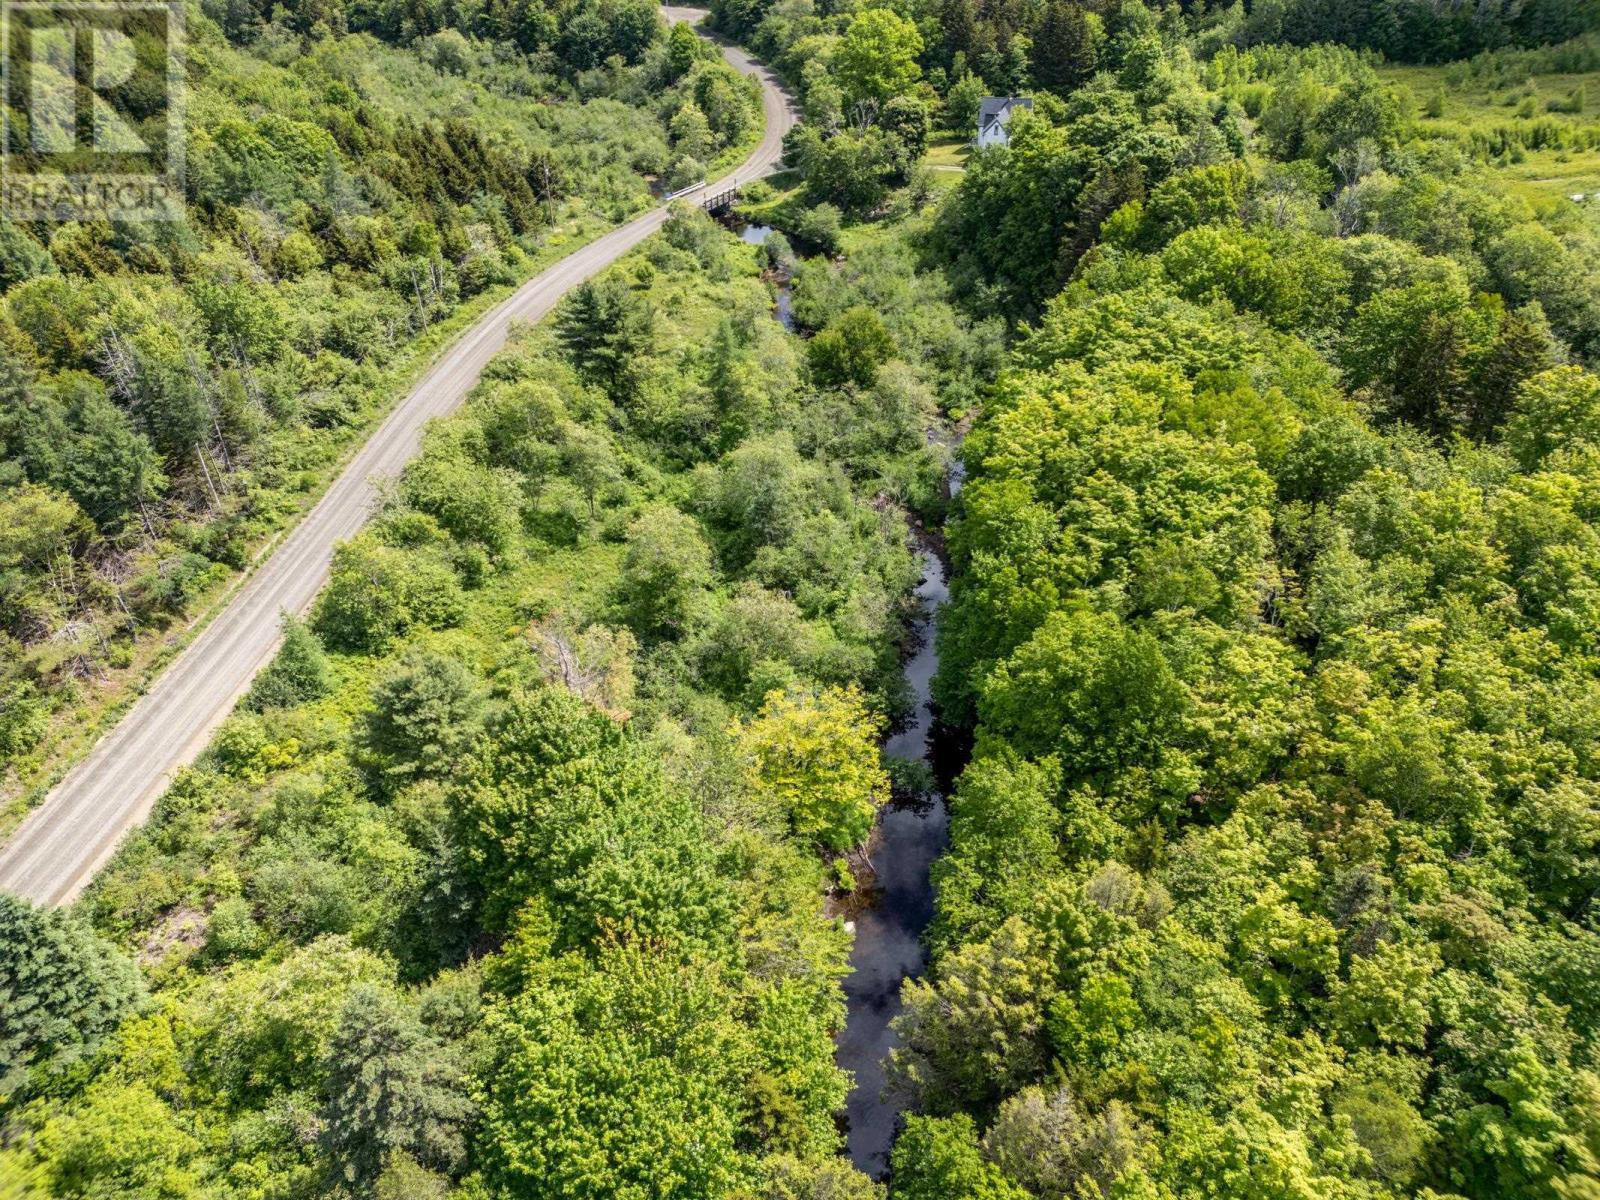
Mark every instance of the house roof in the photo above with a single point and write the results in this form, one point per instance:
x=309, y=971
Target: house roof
x=992, y=108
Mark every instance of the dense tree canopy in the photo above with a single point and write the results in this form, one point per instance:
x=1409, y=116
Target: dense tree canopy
x=509, y=879
x=1272, y=628
x=1258, y=621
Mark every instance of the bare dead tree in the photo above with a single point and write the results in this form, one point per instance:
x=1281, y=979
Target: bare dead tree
x=595, y=663
x=120, y=364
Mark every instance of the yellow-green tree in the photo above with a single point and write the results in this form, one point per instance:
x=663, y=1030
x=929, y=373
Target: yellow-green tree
x=816, y=757
x=877, y=60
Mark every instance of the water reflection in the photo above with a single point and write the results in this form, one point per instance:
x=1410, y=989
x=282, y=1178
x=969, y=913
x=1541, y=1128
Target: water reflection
x=888, y=941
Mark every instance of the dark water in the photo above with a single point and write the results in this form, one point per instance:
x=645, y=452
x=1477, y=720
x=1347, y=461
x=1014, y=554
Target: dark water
x=888, y=935
x=756, y=235
x=888, y=945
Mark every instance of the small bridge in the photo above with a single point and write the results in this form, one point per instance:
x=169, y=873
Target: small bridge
x=721, y=201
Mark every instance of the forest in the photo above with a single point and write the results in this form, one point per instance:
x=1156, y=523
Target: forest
x=1272, y=870
x=174, y=393
x=1263, y=355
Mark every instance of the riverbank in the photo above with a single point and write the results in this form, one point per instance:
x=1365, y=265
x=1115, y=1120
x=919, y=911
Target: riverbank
x=893, y=901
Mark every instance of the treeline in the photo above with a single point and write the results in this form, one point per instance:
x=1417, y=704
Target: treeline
x=569, y=37
x=507, y=879
x=1273, y=871
x=1014, y=48
x=1509, y=66
x=171, y=389
x=1415, y=30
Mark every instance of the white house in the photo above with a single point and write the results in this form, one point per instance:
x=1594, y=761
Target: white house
x=994, y=114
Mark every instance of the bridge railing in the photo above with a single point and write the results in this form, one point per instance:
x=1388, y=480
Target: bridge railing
x=720, y=201
x=714, y=203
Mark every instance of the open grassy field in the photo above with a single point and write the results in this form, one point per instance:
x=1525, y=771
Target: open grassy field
x=1541, y=133
x=1553, y=175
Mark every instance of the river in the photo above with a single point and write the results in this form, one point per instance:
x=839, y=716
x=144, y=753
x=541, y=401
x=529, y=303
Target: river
x=888, y=939
x=783, y=294
x=890, y=920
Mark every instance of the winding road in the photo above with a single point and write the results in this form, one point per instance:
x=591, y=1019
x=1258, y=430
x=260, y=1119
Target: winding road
x=56, y=851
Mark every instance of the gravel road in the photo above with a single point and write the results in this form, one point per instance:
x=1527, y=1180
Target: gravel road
x=56, y=851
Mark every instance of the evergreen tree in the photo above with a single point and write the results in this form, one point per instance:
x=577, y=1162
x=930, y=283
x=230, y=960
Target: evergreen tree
x=392, y=1090
x=424, y=718
x=109, y=468
x=1064, y=50
x=298, y=673
x=21, y=257
x=1523, y=348
x=62, y=989
x=604, y=328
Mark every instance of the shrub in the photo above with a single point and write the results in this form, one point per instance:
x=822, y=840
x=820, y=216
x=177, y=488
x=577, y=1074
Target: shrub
x=298, y=673
x=377, y=593
x=818, y=227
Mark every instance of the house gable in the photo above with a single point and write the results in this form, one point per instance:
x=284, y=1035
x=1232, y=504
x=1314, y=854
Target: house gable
x=994, y=114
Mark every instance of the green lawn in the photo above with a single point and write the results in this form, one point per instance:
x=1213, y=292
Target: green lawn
x=948, y=152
